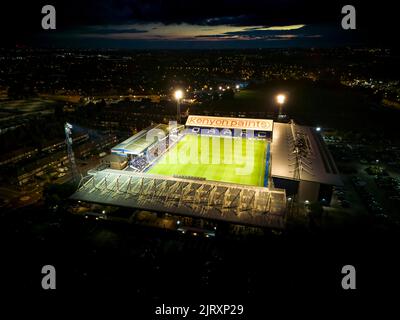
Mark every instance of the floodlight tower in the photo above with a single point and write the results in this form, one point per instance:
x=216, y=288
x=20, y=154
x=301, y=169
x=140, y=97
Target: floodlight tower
x=280, y=99
x=71, y=156
x=178, y=96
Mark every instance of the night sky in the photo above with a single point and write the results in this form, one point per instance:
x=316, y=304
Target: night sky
x=198, y=24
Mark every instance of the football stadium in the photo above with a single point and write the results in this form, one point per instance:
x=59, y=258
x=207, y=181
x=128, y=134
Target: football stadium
x=238, y=170
x=226, y=165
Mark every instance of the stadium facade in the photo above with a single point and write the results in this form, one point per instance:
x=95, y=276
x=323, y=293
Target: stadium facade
x=302, y=165
x=237, y=170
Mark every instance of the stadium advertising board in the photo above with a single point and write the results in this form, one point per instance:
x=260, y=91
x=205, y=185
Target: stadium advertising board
x=230, y=123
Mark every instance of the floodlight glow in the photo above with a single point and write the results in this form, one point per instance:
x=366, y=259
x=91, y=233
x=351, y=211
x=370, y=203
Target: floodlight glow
x=178, y=94
x=280, y=98
x=237, y=86
x=318, y=129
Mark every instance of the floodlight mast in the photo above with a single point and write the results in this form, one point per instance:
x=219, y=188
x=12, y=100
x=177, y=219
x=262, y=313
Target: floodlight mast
x=71, y=157
x=178, y=96
x=280, y=99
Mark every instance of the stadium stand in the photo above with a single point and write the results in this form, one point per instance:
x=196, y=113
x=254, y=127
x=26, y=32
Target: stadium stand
x=139, y=163
x=241, y=204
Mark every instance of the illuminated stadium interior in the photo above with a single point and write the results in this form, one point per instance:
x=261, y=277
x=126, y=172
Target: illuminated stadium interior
x=233, y=150
x=238, y=160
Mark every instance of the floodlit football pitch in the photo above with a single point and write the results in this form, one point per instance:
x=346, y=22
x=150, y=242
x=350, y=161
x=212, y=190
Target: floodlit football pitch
x=234, y=160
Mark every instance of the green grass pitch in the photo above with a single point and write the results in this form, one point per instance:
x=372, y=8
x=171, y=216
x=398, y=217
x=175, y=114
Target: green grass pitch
x=234, y=160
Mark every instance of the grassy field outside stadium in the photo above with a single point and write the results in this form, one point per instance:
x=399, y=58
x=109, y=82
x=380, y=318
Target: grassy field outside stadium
x=234, y=160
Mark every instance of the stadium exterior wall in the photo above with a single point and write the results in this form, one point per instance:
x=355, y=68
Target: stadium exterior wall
x=308, y=191
x=290, y=186
x=305, y=190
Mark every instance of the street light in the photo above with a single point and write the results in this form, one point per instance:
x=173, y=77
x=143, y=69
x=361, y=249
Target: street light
x=280, y=99
x=178, y=96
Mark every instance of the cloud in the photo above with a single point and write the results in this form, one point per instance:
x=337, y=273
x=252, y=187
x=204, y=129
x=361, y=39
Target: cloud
x=249, y=37
x=76, y=13
x=183, y=31
x=240, y=20
x=108, y=31
x=283, y=28
x=259, y=33
x=264, y=33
